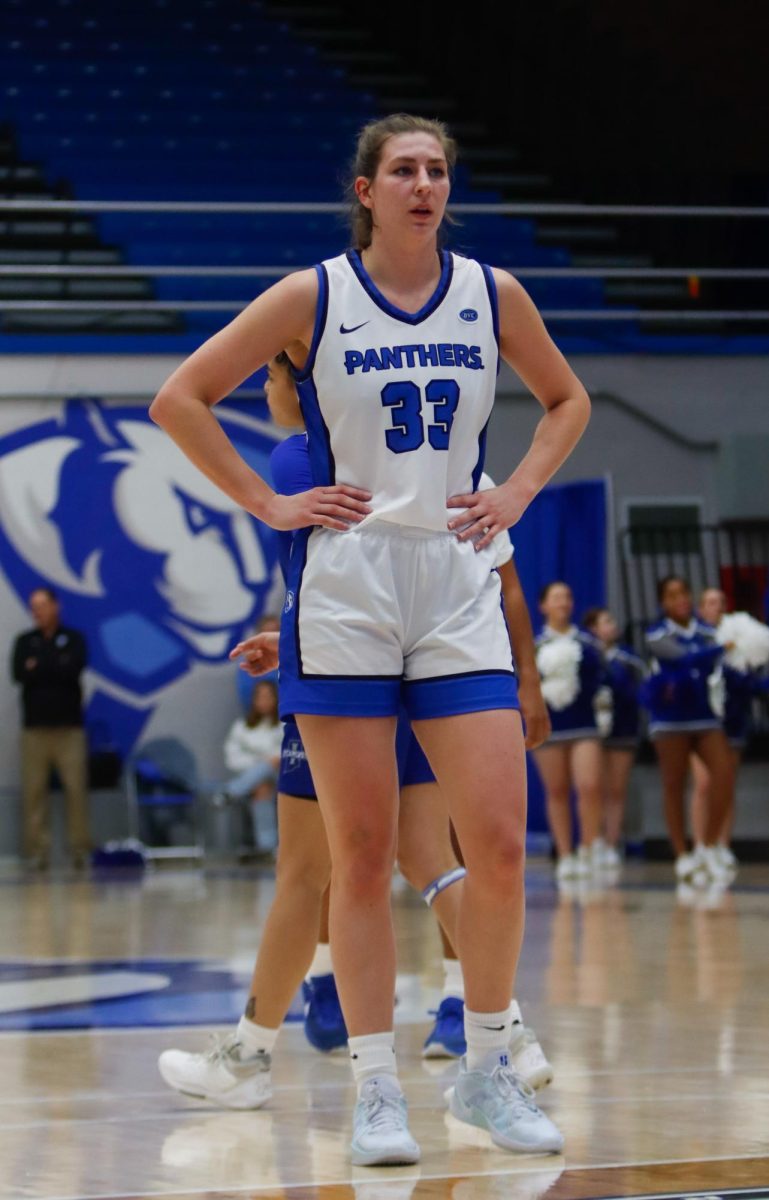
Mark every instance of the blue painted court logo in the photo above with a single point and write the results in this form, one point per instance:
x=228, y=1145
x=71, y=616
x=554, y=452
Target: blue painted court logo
x=154, y=564
x=469, y=314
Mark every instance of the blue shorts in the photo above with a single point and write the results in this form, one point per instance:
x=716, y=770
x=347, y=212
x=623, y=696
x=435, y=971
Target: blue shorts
x=295, y=778
x=388, y=616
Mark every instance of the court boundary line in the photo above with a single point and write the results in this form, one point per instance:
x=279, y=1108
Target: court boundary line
x=211, y=1192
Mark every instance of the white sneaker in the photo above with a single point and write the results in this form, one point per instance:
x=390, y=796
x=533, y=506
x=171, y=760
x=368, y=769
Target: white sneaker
x=585, y=865
x=605, y=857
x=527, y=1054
x=380, y=1134
x=566, y=868
x=691, y=868
x=224, y=1075
x=718, y=873
x=501, y=1103
x=727, y=857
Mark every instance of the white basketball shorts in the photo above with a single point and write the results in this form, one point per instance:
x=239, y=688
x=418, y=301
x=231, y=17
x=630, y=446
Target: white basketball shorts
x=388, y=616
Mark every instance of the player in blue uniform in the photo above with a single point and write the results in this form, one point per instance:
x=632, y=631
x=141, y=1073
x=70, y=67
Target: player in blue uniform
x=685, y=655
x=393, y=597
x=572, y=673
x=624, y=674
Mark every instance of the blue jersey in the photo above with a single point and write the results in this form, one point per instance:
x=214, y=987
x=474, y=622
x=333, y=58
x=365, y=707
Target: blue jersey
x=576, y=719
x=683, y=658
x=624, y=675
x=291, y=474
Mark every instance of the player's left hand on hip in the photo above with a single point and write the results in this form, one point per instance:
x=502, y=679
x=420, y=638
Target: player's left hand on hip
x=485, y=515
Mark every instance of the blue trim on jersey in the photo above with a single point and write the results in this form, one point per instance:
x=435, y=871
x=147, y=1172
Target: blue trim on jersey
x=321, y=313
x=322, y=461
x=438, y=296
x=491, y=288
x=478, y=468
x=451, y=695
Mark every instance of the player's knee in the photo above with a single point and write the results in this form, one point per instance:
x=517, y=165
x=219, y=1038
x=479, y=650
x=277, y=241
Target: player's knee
x=303, y=872
x=365, y=876
x=501, y=866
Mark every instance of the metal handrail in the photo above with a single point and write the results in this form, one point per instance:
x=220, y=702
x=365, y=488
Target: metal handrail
x=552, y=314
x=273, y=272
x=336, y=207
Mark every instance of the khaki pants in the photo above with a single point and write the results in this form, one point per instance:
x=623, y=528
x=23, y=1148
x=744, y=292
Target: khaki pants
x=41, y=750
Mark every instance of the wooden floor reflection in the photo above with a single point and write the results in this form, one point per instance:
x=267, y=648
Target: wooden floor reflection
x=653, y=1006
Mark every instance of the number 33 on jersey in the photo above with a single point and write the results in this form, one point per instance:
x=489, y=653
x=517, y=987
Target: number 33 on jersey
x=398, y=402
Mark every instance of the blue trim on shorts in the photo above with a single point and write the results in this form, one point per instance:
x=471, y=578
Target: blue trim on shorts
x=452, y=695
x=331, y=696
x=416, y=769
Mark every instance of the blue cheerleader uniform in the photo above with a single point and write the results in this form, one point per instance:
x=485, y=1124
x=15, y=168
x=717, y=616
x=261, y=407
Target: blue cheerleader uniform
x=677, y=693
x=625, y=673
x=577, y=722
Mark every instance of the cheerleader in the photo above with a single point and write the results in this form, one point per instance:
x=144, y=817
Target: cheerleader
x=683, y=703
x=747, y=656
x=624, y=674
x=572, y=673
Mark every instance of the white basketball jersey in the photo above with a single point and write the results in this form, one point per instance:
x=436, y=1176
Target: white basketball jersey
x=397, y=402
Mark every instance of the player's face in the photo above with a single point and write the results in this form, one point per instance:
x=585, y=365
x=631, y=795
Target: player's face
x=677, y=602
x=712, y=605
x=606, y=628
x=558, y=605
x=282, y=399
x=411, y=187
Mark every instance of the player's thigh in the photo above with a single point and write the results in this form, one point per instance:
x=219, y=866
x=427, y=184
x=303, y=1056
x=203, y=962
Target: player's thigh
x=303, y=853
x=700, y=773
x=353, y=766
x=424, y=834
x=673, y=751
x=553, y=766
x=714, y=751
x=479, y=762
x=586, y=763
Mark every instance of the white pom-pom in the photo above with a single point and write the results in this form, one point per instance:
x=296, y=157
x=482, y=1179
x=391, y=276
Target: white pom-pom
x=749, y=640
x=603, y=707
x=717, y=693
x=558, y=662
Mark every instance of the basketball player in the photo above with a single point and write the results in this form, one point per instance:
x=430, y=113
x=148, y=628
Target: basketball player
x=235, y=1073
x=392, y=596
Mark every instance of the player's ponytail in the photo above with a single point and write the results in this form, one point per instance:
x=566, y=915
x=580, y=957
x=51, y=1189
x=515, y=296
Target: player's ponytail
x=368, y=152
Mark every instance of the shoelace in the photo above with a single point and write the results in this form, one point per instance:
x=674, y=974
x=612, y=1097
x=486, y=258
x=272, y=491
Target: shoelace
x=383, y=1113
x=514, y=1089
x=222, y=1048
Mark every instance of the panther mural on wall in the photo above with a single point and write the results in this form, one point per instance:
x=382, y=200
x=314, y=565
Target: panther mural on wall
x=154, y=564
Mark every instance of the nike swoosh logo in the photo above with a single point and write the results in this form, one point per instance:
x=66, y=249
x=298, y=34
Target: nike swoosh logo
x=493, y=1028
x=343, y=330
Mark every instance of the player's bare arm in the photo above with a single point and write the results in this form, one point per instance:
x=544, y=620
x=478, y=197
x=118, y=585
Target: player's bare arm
x=528, y=348
x=533, y=707
x=281, y=318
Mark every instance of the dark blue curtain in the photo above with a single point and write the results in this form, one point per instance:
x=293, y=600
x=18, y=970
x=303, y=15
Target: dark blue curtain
x=561, y=536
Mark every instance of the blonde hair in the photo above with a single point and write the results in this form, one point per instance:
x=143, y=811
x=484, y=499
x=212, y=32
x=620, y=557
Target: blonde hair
x=368, y=153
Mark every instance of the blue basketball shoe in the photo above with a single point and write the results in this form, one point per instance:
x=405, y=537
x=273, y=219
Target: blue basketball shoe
x=447, y=1037
x=324, y=1025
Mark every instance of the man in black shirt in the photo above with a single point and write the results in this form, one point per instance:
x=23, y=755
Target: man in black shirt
x=48, y=661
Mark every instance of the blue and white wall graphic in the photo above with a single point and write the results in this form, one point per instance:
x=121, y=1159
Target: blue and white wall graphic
x=159, y=569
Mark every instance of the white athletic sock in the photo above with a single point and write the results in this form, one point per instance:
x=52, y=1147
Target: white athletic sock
x=453, y=980
x=515, y=1013
x=373, y=1055
x=256, y=1039
x=488, y=1038
x=321, y=962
